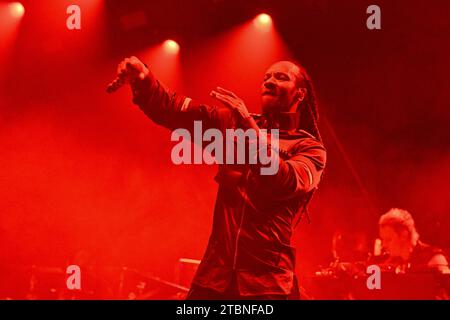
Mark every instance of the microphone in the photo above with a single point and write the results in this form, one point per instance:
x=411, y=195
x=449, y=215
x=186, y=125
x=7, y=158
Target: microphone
x=115, y=85
x=119, y=81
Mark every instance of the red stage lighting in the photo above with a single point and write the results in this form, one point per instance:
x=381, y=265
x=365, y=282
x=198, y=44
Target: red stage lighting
x=263, y=21
x=171, y=46
x=16, y=9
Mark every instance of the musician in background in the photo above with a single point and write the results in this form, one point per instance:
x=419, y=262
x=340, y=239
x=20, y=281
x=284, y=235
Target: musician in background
x=402, y=248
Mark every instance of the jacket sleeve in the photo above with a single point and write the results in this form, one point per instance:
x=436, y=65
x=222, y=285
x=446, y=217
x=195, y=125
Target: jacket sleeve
x=299, y=173
x=173, y=110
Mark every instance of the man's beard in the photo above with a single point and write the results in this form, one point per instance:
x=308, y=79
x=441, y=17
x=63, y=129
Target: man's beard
x=271, y=106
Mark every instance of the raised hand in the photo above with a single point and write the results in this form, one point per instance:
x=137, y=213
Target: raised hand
x=131, y=69
x=232, y=101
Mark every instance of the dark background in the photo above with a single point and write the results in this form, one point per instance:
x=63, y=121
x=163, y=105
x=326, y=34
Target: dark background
x=85, y=177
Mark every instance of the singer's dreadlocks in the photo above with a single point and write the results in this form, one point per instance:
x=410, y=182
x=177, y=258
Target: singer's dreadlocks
x=309, y=117
x=309, y=113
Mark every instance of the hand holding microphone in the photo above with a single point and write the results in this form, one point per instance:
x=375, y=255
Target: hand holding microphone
x=128, y=71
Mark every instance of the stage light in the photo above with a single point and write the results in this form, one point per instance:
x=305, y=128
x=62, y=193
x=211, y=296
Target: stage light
x=165, y=63
x=171, y=46
x=16, y=9
x=263, y=21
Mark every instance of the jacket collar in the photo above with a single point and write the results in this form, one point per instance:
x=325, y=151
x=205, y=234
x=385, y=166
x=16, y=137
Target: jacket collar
x=284, y=121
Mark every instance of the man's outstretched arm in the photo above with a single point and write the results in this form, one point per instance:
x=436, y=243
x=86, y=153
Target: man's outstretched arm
x=166, y=108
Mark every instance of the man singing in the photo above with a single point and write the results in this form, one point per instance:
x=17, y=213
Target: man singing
x=249, y=253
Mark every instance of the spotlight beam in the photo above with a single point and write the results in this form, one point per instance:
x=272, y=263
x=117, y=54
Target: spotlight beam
x=16, y=9
x=171, y=46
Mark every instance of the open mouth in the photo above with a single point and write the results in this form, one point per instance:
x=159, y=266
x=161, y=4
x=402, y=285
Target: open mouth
x=269, y=93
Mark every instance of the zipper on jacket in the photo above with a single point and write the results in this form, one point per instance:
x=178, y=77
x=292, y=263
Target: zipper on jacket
x=237, y=236
x=240, y=223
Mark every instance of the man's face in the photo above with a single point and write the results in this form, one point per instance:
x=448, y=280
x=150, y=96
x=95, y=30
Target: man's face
x=396, y=244
x=279, y=90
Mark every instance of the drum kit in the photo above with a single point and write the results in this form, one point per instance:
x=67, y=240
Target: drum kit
x=97, y=283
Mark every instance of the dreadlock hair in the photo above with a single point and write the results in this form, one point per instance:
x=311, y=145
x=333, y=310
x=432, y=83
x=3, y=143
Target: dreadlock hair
x=308, y=110
x=309, y=117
